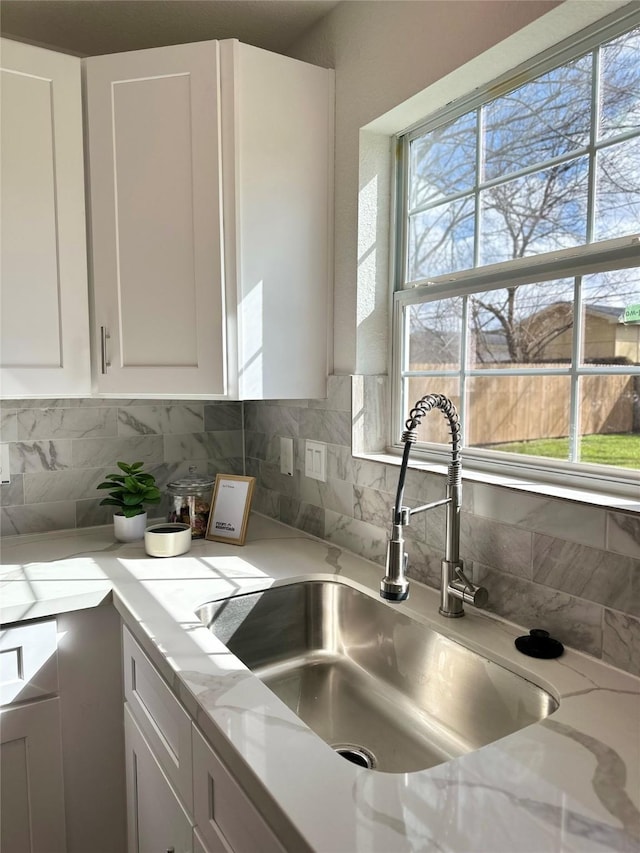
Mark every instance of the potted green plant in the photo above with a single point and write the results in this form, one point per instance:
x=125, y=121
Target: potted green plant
x=129, y=490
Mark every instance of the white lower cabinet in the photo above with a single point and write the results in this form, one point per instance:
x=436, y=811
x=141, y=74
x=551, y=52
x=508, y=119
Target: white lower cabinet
x=31, y=776
x=179, y=796
x=61, y=740
x=31, y=781
x=198, y=843
x=225, y=818
x=157, y=820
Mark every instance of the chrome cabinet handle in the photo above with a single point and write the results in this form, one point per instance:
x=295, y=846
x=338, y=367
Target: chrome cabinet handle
x=104, y=337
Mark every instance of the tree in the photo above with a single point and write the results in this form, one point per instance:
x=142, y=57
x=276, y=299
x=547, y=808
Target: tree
x=528, y=192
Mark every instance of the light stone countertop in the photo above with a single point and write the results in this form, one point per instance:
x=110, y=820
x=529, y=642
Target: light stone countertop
x=569, y=783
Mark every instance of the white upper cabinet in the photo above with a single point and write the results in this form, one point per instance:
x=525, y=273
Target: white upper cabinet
x=154, y=161
x=211, y=196
x=277, y=142
x=44, y=348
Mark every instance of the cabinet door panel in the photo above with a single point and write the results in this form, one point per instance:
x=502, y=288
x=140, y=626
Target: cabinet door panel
x=154, y=162
x=164, y=722
x=31, y=782
x=44, y=312
x=157, y=822
x=224, y=816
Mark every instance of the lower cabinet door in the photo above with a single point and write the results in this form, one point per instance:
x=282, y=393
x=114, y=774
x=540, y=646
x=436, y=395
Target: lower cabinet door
x=31, y=782
x=225, y=818
x=156, y=820
x=199, y=845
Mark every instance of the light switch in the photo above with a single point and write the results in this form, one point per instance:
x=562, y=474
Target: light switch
x=5, y=476
x=286, y=456
x=315, y=460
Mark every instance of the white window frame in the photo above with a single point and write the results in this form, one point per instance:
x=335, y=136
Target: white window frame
x=510, y=469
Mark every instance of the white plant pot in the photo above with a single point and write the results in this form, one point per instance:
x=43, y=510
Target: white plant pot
x=129, y=529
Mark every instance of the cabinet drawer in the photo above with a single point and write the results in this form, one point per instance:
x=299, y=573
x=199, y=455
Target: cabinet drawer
x=28, y=661
x=163, y=721
x=225, y=819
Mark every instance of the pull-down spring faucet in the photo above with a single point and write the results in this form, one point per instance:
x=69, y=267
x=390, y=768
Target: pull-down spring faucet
x=456, y=587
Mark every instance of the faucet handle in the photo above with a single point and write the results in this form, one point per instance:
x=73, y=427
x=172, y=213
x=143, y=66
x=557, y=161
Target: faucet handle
x=467, y=591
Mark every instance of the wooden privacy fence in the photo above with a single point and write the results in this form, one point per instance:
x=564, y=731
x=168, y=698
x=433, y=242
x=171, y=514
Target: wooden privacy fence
x=523, y=408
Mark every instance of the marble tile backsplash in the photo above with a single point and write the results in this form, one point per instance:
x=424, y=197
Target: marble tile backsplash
x=568, y=567
x=571, y=568
x=61, y=449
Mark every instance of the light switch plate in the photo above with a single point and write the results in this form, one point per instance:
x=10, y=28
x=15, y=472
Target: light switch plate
x=5, y=475
x=286, y=456
x=315, y=460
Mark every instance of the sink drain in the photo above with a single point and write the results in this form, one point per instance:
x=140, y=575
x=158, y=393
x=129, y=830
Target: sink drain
x=356, y=754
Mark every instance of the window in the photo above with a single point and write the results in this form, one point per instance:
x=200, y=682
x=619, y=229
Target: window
x=518, y=283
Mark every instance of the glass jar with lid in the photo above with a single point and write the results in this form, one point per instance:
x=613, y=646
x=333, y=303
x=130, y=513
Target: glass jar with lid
x=190, y=501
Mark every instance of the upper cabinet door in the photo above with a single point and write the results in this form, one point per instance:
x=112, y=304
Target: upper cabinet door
x=154, y=159
x=44, y=349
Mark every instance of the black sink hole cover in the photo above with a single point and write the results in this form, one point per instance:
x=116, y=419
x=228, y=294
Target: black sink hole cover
x=538, y=644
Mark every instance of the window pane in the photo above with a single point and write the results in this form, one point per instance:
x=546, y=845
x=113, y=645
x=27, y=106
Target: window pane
x=542, y=120
x=441, y=240
x=609, y=420
x=520, y=414
x=541, y=212
x=606, y=339
x=618, y=190
x=443, y=161
x=434, y=426
x=522, y=326
x=434, y=335
x=620, y=85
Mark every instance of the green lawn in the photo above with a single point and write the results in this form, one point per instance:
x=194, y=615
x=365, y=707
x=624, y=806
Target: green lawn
x=621, y=450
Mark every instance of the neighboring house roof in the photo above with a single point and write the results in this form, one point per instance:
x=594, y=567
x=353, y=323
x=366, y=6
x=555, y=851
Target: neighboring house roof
x=607, y=312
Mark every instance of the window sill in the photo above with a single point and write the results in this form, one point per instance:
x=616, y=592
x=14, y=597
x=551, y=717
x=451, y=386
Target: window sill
x=607, y=500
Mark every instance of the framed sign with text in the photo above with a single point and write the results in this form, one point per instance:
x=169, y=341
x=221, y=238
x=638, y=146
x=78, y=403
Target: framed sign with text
x=230, y=507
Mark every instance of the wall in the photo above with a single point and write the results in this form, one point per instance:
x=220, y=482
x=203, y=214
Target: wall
x=384, y=53
x=61, y=449
x=571, y=568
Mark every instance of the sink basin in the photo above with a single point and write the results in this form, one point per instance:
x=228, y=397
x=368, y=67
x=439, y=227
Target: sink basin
x=379, y=687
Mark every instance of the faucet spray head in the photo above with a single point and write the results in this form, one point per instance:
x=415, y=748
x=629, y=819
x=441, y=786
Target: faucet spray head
x=394, y=586
x=392, y=591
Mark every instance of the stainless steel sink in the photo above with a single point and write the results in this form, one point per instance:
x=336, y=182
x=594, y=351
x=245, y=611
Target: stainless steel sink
x=381, y=688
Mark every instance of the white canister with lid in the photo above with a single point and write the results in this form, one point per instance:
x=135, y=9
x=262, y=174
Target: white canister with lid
x=190, y=501
x=167, y=540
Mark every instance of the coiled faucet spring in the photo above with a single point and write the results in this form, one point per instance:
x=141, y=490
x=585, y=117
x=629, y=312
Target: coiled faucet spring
x=455, y=587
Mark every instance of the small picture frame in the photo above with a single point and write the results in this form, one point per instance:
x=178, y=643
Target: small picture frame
x=230, y=505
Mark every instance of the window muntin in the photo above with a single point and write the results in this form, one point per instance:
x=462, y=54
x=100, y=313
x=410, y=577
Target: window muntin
x=550, y=166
